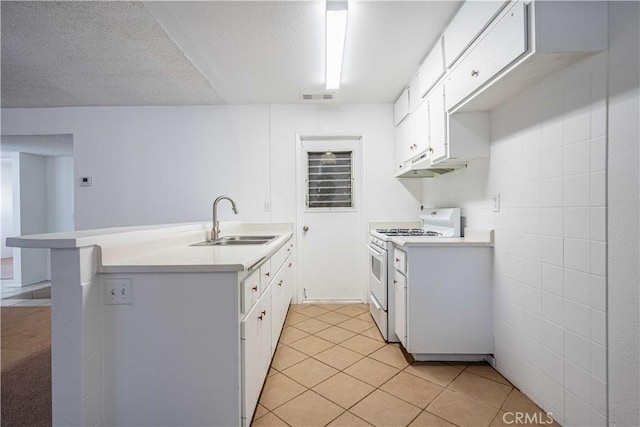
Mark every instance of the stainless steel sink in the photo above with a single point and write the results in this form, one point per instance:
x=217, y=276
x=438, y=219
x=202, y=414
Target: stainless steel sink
x=237, y=240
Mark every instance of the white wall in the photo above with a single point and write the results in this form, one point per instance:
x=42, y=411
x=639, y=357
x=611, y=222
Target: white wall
x=31, y=265
x=59, y=193
x=7, y=205
x=624, y=213
x=548, y=162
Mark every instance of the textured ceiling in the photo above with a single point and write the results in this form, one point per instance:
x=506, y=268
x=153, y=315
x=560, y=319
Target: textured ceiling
x=211, y=52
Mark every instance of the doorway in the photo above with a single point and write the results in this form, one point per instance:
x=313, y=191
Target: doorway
x=330, y=218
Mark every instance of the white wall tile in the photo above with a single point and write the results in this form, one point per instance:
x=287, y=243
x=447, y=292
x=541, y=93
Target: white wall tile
x=514, y=247
x=553, y=365
x=531, y=167
x=598, y=157
x=553, y=392
x=598, y=219
x=531, y=247
x=552, y=250
x=515, y=219
x=552, y=279
x=577, y=350
x=598, y=327
x=531, y=220
x=531, y=194
x=552, y=308
x=532, y=325
x=553, y=337
x=577, y=125
x=551, y=162
x=551, y=192
x=577, y=318
x=577, y=381
x=576, y=411
x=576, y=190
x=532, y=273
x=551, y=132
x=515, y=269
x=598, y=189
x=577, y=286
x=577, y=223
x=577, y=158
x=599, y=258
x=598, y=292
x=577, y=254
x=552, y=221
x=532, y=299
x=599, y=395
x=599, y=361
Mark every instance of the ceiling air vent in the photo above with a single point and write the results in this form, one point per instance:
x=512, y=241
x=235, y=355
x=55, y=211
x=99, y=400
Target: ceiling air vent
x=324, y=96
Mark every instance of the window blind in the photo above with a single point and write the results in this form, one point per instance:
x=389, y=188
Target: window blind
x=330, y=179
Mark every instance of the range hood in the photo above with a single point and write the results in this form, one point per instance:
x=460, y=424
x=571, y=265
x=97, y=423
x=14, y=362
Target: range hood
x=421, y=167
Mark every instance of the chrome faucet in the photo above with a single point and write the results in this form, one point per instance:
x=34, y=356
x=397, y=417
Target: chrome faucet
x=215, y=231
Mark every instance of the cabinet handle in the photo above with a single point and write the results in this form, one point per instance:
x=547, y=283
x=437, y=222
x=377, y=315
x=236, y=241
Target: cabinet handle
x=260, y=317
x=474, y=73
x=267, y=274
x=395, y=282
x=290, y=265
x=397, y=259
x=430, y=150
x=280, y=283
x=254, y=289
x=264, y=312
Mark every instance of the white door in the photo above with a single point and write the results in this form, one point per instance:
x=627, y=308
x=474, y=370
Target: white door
x=331, y=228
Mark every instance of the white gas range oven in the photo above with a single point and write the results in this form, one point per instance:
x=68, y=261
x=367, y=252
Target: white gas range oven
x=437, y=223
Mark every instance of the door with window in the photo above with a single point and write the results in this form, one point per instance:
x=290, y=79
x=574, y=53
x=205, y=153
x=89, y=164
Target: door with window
x=330, y=220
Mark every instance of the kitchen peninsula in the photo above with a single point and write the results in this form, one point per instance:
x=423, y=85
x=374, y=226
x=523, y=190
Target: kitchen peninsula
x=149, y=330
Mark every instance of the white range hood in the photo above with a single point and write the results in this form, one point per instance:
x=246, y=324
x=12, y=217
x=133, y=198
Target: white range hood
x=421, y=167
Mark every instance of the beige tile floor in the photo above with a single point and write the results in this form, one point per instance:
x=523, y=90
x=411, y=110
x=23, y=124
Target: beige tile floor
x=332, y=367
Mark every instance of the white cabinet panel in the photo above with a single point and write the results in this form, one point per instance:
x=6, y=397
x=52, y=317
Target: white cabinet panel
x=431, y=70
x=400, y=286
x=250, y=291
x=502, y=44
x=420, y=132
x=468, y=23
x=401, y=107
x=256, y=353
x=414, y=93
x=401, y=141
x=438, y=125
x=399, y=260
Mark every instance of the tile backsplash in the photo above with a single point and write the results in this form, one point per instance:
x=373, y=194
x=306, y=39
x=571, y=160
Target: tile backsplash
x=548, y=163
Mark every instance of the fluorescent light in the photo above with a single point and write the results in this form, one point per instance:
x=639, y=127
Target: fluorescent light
x=336, y=30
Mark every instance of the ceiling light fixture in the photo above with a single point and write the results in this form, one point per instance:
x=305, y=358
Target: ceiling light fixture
x=336, y=30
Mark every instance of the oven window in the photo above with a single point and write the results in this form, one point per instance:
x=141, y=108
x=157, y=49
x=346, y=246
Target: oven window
x=376, y=267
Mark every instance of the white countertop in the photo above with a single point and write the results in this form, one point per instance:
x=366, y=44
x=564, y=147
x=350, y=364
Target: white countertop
x=473, y=237
x=165, y=248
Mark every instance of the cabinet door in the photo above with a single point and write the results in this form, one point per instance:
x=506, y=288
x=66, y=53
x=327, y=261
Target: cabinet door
x=256, y=353
x=400, y=142
x=421, y=128
x=431, y=69
x=438, y=144
x=500, y=46
x=471, y=19
x=409, y=143
x=400, y=283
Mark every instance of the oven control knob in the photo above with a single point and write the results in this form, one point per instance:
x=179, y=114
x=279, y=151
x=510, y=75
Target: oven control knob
x=305, y=228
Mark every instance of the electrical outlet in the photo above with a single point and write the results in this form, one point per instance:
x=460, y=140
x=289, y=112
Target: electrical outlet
x=119, y=291
x=496, y=202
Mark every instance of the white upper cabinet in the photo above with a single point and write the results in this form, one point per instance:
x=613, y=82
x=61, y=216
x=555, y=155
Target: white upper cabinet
x=524, y=43
x=401, y=107
x=471, y=19
x=420, y=124
x=414, y=96
x=498, y=47
x=431, y=69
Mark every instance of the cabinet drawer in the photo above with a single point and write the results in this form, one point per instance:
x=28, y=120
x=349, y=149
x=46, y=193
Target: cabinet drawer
x=471, y=19
x=251, y=290
x=501, y=45
x=265, y=274
x=399, y=260
x=278, y=258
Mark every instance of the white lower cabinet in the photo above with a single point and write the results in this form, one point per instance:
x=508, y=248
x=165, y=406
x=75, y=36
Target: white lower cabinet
x=444, y=303
x=400, y=283
x=256, y=352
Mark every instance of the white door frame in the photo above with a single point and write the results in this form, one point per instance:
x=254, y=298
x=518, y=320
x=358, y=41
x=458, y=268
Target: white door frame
x=361, y=205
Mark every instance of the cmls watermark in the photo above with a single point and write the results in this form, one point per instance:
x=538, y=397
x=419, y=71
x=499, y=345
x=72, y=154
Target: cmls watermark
x=516, y=418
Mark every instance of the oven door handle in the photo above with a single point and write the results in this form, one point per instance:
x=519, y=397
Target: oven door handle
x=374, y=302
x=372, y=249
